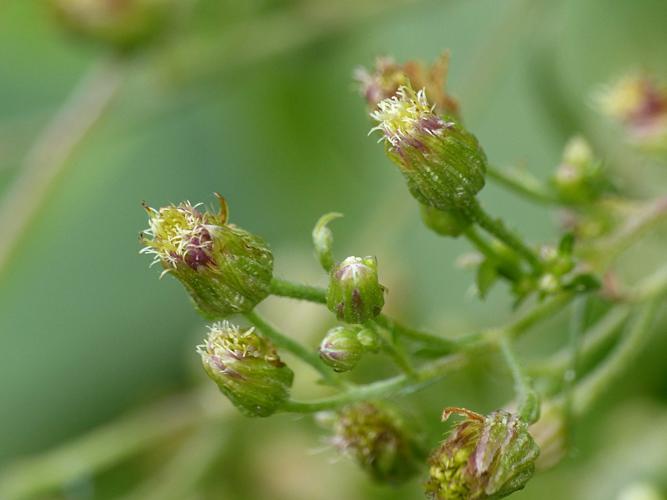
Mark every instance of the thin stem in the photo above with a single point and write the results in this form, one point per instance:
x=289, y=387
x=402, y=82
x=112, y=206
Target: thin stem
x=538, y=313
x=284, y=288
x=524, y=184
x=291, y=345
x=590, y=388
x=186, y=468
x=497, y=228
x=445, y=345
x=527, y=399
x=427, y=374
x=591, y=342
x=106, y=446
x=506, y=267
x=52, y=151
x=578, y=323
x=392, y=349
x=299, y=291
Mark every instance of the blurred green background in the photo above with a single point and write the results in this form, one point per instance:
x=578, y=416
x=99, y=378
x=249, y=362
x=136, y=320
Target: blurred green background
x=255, y=99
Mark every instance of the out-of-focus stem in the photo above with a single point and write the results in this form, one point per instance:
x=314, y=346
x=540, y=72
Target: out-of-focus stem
x=590, y=388
x=105, y=446
x=181, y=474
x=52, y=151
x=527, y=399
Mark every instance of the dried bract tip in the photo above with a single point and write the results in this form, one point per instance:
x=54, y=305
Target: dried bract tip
x=484, y=457
x=224, y=268
x=384, y=80
x=378, y=439
x=246, y=368
x=355, y=294
x=442, y=162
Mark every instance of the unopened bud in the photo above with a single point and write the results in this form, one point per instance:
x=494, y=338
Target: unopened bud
x=341, y=348
x=246, y=368
x=443, y=163
x=445, y=223
x=355, y=294
x=580, y=176
x=378, y=439
x=224, y=268
x=484, y=457
x=125, y=24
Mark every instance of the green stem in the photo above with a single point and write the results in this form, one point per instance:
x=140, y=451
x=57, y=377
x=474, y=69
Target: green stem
x=527, y=399
x=591, y=342
x=299, y=291
x=523, y=184
x=441, y=343
x=497, y=228
x=284, y=342
x=590, y=388
x=183, y=471
x=52, y=152
x=427, y=374
x=106, y=446
x=506, y=267
x=392, y=349
x=284, y=288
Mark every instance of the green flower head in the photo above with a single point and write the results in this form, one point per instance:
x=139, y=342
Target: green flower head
x=443, y=163
x=485, y=457
x=225, y=269
x=378, y=439
x=246, y=368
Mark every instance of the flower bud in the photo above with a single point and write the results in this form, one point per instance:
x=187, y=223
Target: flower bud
x=445, y=223
x=639, y=104
x=377, y=438
x=341, y=348
x=224, y=268
x=387, y=77
x=354, y=294
x=580, y=176
x=246, y=368
x=484, y=457
x=125, y=24
x=443, y=163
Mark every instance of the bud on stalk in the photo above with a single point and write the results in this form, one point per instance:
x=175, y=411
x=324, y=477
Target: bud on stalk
x=484, y=457
x=225, y=269
x=341, y=348
x=246, y=368
x=443, y=163
x=354, y=293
